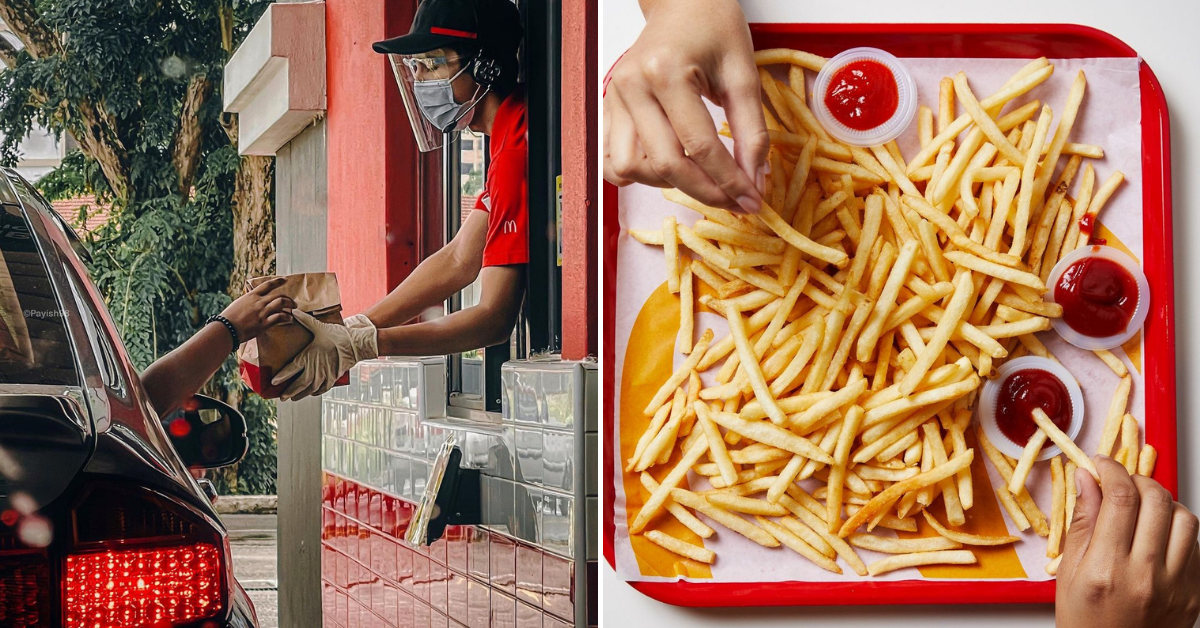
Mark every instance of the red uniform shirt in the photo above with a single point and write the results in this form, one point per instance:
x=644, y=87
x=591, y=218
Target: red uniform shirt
x=506, y=192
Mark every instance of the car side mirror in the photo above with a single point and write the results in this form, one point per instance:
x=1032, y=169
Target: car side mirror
x=207, y=433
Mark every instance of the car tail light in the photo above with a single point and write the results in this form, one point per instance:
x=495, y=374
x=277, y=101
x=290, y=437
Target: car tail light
x=24, y=590
x=138, y=558
x=143, y=587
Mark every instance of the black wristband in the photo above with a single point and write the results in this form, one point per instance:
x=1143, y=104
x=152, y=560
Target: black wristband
x=228, y=325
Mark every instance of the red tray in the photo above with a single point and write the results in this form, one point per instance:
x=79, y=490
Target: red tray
x=951, y=40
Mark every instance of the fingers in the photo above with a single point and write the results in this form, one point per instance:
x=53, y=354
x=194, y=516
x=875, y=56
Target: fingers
x=624, y=160
x=665, y=153
x=693, y=124
x=278, y=304
x=743, y=110
x=294, y=389
x=1117, y=520
x=268, y=286
x=1087, y=508
x=1182, y=543
x=1153, y=521
x=306, y=319
x=288, y=371
x=277, y=318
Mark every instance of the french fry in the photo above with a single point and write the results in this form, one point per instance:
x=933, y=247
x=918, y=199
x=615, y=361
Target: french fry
x=1116, y=413
x=1147, y=459
x=770, y=434
x=887, y=545
x=806, y=509
x=1129, y=440
x=774, y=56
x=900, y=561
x=966, y=538
x=893, y=492
x=723, y=517
x=963, y=291
x=660, y=495
x=679, y=512
x=682, y=548
x=1064, y=442
x=1112, y=361
x=1058, y=511
x=671, y=252
x=746, y=504
x=686, y=316
x=1029, y=455
x=796, y=544
x=762, y=392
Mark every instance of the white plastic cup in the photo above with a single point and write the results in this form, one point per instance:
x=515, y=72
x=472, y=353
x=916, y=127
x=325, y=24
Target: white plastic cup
x=1092, y=343
x=989, y=398
x=906, y=102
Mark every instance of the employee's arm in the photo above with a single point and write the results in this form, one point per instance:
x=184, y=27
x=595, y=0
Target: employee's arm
x=434, y=280
x=488, y=323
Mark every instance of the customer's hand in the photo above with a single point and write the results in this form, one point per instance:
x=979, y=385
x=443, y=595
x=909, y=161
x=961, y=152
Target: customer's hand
x=1131, y=558
x=333, y=350
x=259, y=309
x=657, y=130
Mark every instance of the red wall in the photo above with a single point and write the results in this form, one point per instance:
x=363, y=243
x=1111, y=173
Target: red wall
x=373, y=164
x=580, y=289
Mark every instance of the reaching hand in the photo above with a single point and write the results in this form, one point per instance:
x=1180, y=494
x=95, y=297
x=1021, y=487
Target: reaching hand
x=1131, y=558
x=657, y=130
x=333, y=350
x=259, y=309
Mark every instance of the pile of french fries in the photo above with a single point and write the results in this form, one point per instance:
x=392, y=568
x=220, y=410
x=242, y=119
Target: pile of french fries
x=866, y=302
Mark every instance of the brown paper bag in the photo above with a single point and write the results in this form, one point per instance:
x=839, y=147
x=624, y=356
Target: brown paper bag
x=261, y=358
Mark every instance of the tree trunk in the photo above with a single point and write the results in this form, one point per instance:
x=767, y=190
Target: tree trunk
x=253, y=223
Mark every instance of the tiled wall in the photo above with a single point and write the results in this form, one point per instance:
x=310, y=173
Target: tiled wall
x=533, y=560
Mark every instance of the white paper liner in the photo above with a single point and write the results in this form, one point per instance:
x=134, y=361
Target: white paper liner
x=1110, y=116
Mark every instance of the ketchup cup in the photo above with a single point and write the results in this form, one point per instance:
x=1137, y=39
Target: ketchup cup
x=1108, y=256
x=990, y=402
x=875, y=82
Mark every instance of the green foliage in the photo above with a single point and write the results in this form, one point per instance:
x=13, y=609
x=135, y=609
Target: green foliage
x=162, y=260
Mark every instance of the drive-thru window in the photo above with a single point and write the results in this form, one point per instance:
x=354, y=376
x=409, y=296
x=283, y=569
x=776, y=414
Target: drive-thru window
x=509, y=431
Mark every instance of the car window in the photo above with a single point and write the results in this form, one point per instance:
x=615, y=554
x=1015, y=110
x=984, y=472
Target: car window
x=106, y=353
x=35, y=201
x=34, y=346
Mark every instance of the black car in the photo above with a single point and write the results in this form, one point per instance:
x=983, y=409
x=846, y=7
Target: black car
x=101, y=523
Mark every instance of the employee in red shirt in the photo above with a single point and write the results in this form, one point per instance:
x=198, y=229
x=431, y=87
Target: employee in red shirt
x=456, y=69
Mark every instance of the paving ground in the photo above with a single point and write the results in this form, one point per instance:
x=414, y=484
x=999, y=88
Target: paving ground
x=252, y=540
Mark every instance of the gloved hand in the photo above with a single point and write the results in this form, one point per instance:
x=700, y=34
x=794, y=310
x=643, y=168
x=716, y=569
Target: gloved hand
x=358, y=320
x=333, y=350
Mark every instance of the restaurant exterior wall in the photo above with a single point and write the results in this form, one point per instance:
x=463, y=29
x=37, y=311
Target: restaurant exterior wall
x=350, y=188
x=533, y=565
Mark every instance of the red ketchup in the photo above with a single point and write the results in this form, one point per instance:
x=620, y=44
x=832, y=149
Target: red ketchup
x=862, y=94
x=1098, y=297
x=1025, y=390
x=1086, y=225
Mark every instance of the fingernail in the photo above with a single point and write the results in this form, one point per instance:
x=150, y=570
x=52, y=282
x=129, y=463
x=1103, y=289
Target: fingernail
x=760, y=179
x=749, y=203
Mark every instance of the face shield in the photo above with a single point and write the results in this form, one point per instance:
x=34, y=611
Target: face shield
x=426, y=83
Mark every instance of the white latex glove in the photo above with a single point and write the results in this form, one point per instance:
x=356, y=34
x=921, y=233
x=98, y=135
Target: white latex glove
x=333, y=350
x=359, y=320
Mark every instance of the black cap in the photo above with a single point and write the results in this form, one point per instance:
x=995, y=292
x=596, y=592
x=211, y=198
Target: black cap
x=492, y=25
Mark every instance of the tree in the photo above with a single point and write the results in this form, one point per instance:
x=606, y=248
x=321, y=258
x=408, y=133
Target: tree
x=137, y=84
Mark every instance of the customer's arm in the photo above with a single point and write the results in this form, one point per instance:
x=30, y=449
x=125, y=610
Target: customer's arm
x=450, y=269
x=175, y=377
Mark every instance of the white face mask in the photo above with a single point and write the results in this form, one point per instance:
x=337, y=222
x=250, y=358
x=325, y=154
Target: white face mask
x=436, y=100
